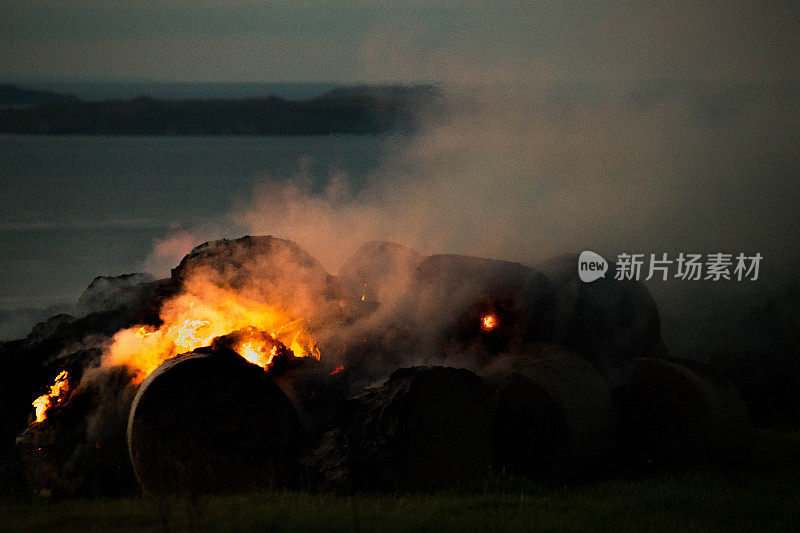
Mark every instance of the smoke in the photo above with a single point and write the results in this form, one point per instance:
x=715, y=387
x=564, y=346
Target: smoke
x=583, y=132
x=528, y=172
x=526, y=169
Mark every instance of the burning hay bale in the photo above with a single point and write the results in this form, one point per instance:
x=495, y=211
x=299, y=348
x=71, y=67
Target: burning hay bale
x=306, y=381
x=426, y=427
x=209, y=422
x=480, y=305
x=676, y=412
x=553, y=418
x=267, y=269
x=65, y=342
x=76, y=445
x=607, y=320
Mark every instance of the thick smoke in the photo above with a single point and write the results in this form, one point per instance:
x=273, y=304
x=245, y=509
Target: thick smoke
x=526, y=171
x=612, y=129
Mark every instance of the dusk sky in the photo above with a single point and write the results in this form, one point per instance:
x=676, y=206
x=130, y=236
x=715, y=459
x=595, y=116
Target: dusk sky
x=355, y=41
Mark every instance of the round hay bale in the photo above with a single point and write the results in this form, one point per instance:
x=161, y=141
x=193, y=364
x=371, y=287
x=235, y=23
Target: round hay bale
x=451, y=294
x=234, y=260
x=426, y=427
x=730, y=429
x=607, y=320
x=678, y=413
x=553, y=418
x=268, y=269
x=210, y=422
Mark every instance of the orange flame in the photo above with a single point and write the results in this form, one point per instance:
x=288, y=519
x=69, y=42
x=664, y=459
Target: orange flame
x=194, y=318
x=58, y=391
x=257, y=353
x=488, y=322
x=337, y=370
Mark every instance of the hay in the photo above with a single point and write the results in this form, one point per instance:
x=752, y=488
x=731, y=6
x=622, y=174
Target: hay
x=81, y=449
x=274, y=258
x=210, y=422
x=451, y=293
x=425, y=428
x=267, y=269
x=678, y=413
x=553, y=418
x=607, y=321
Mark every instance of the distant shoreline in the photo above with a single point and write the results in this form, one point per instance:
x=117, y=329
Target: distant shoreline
x=350, y=110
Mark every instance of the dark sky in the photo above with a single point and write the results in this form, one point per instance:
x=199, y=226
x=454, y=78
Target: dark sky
x=366, y=40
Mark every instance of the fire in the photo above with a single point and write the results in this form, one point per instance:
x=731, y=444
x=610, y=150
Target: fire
x=57, y=394
x=196, y=317
x=257, y=353
x=337, y=370
x=488, y=322
x=186, y=335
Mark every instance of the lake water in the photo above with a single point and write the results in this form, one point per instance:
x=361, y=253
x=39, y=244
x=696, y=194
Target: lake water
x=74, y=207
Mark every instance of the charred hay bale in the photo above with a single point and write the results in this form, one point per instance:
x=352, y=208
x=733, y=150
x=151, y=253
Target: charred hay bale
x=607, y=320
x=315, y=389
x=451, y=294
x=426, y=427
x=111, y=292
x=677, y=413
x=441, y=315
x=210, y=422
x=52, y=453
x=553, y=418
x=80, y=448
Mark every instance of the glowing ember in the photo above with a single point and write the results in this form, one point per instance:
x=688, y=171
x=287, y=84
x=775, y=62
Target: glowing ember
x=204, y=312
x=57, y=394
x=488, y=322
x=337, y=370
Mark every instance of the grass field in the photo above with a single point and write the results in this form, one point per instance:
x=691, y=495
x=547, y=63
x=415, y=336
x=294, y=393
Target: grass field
x=763, y=496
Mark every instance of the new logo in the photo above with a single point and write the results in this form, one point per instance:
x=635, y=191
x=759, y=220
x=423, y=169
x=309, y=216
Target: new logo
x=591, y=266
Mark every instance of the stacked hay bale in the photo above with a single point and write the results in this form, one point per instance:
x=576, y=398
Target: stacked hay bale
x=607, y=320
x=267, y=269
x=450, y=294
x=425, y=428
x=210, y=422
x=80, y=448
x=553, y=418
x=676, y=413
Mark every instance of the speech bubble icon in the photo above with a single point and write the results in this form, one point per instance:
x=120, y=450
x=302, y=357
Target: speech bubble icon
x=591, y=266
